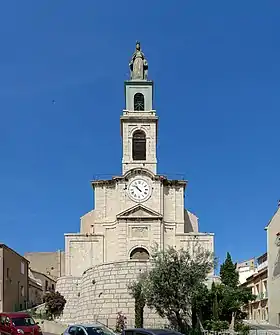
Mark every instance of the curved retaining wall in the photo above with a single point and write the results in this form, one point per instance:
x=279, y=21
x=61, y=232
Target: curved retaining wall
x=102, y=292
x=69, y=287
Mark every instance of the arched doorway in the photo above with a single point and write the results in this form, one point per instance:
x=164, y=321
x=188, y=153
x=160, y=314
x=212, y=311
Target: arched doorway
x=139, y=253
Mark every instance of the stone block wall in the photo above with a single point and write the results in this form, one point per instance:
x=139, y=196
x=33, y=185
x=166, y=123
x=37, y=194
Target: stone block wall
x=69, y=287
x=102, y=292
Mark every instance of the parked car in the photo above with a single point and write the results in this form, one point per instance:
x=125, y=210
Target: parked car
x=88, y=329
x=149, y=331
x=18, y=324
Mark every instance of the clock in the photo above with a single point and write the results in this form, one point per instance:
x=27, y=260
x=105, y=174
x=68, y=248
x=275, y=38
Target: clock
x=139, y=190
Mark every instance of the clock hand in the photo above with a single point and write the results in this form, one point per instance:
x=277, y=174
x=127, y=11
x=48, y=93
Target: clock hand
x=138, y=188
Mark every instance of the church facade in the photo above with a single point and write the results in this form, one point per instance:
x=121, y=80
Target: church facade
x=132, y=213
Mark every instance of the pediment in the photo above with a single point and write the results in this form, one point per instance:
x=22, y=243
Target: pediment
x=139, y=212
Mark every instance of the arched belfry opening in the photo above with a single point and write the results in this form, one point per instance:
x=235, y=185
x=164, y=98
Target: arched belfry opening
x=139, y=253
x=139, y=145
x=139, y=102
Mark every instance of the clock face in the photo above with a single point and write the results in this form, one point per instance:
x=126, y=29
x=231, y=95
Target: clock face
x=139, y=190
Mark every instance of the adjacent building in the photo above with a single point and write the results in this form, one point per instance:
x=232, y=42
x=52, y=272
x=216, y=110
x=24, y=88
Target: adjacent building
x=50, y=263
x=273, y=252
x=14, y=292
x=35, y=291
x=257, y=310
x=47, y=282
x=39, y=285
x=246, y=269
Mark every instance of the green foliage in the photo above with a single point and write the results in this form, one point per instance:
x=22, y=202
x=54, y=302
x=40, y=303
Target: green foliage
x=228, y=273
x=230, y=296
x=232, y=299
x=241, y=328
x=216, y=325
x=120, y=322
x=200, y=306
x=136, y=289
x=54, y=303
x=215, y=304
x=175, y=283
x=175, y=288
x=226, y=300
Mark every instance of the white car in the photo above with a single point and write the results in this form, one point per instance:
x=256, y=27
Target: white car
x=88, y=329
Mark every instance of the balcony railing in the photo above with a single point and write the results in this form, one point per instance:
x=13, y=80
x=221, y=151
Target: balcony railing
x=262, y=295
x=262, y=266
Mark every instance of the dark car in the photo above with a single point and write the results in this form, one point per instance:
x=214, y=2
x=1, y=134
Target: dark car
x=149, y=331
x=18, y=324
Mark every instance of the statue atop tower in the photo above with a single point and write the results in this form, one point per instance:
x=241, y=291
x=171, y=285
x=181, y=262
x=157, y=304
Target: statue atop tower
x=138, y=65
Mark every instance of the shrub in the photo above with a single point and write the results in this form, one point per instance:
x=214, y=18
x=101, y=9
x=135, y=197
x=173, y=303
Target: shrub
x=120, y=322
x=216, y=325
x=54, y=303
x=242, y=328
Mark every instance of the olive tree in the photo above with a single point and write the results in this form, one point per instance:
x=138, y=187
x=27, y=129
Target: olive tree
x=174, y=282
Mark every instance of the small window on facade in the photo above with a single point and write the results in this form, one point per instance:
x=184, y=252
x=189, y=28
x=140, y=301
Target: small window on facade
x=22, y=268
x=139, y=102
x=8, y=273
x=139, y=146
x=46, y=285
x=52, y=287
x=22, y=291
x=139, y=253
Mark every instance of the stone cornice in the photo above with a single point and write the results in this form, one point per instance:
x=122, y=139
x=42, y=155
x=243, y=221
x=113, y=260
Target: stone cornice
x=163, y=179
x=134, y=117
x=138, y=82
x=194, y=235
x=87, y=235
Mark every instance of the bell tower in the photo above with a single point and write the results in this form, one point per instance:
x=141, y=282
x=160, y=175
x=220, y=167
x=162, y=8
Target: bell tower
x=139, y=121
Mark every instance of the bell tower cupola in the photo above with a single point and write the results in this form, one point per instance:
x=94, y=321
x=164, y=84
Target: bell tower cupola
x=139, y=120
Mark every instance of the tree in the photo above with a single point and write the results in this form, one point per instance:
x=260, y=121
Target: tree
x=136, y=289
x=215, y=304
x=201, y=309
x=175, y=282
x=228, y=273
x=231, y=296
x=54, y=303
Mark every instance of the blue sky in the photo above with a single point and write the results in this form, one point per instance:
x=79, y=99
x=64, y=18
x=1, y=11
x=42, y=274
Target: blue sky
x=216, y=67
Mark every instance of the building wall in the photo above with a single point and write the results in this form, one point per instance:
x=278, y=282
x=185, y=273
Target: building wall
x=49, y=263
x=120, y=239
x=48, y=283
x=101, y=292
x=130, y=122
x=257, y=310
x=110, y=200
x=273, y=251
x=246, y=269
x=35, y=293
x=117, y=225
x=14, y=279
x=1, y=280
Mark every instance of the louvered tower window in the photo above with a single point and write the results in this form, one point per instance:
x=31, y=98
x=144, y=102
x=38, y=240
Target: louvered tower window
x=139, y=102
x=139, y=146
